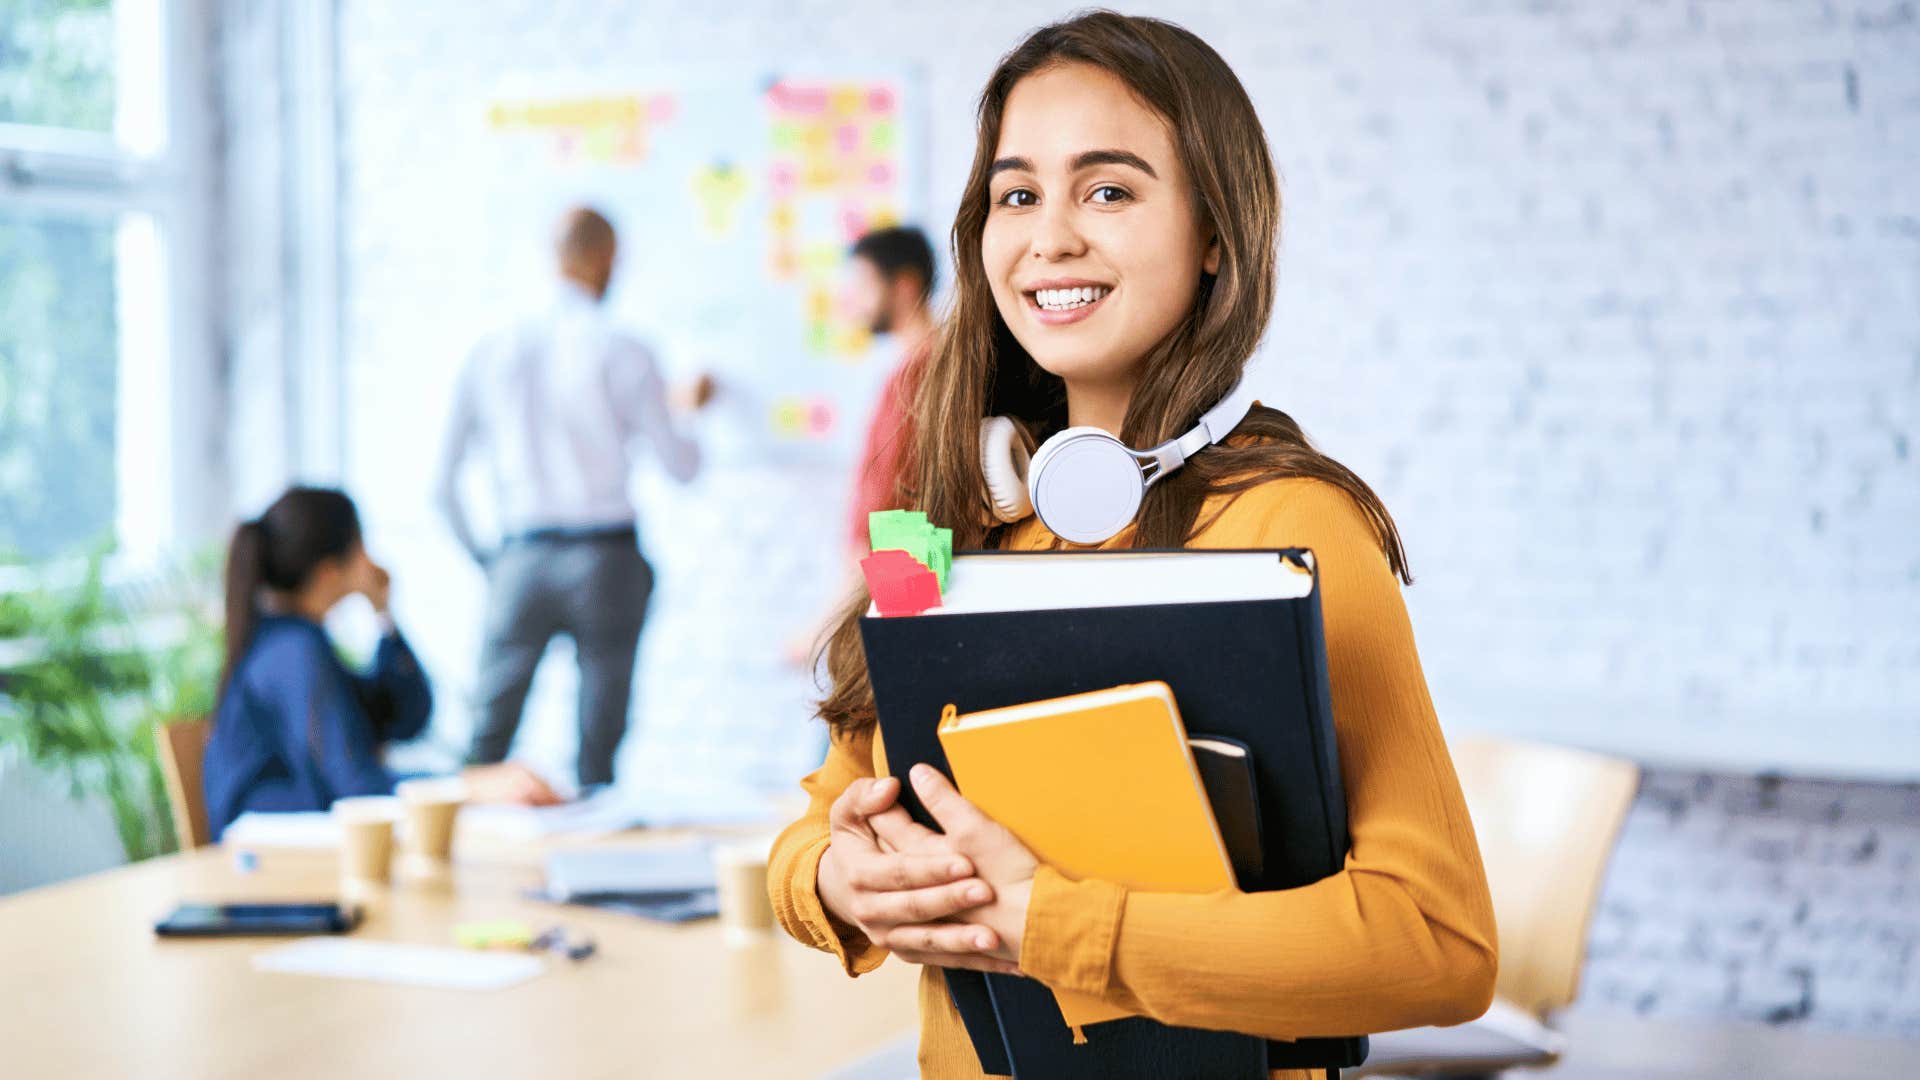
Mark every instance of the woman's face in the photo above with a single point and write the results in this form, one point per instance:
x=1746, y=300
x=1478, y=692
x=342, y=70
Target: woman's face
x=1093, y=245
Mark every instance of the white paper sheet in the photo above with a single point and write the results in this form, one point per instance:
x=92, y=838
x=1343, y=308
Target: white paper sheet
x=615, y=809
x=996, y=582
x=312, y=830
x=639, y=870
x=411, y=965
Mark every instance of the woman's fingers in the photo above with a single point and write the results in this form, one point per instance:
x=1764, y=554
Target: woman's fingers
x=969, y=961
x=941, y=938
x=898, y=829
x=897, y=872
x=862, y=799
x=955, y=815
x=889, y=909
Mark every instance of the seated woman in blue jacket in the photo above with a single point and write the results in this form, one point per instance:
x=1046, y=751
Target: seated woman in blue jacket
x=296, y=729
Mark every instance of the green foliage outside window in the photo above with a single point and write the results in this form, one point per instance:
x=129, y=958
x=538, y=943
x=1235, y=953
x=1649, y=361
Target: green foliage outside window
x=56, y=63
x=87, y=671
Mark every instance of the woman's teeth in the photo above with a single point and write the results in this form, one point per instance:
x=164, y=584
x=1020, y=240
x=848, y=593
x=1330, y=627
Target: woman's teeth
x=1068, y=299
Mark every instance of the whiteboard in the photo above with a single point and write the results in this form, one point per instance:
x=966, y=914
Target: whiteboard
x=737, y=193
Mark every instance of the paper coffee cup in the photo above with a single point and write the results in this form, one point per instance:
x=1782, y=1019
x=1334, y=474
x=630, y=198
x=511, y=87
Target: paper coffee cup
x=366, y=841
x=740, y=871
x=432, y=806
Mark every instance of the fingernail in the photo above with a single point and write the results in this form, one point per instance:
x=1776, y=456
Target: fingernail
x=922, y=774
x=977, y=893
x=957, y=869
x=982, y=941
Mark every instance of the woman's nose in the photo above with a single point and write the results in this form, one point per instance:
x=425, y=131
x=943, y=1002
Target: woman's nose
x=1054, y=235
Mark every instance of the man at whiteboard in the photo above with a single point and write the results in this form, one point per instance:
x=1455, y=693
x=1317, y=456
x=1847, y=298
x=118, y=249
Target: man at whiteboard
x=890, y=288
x=562, y=403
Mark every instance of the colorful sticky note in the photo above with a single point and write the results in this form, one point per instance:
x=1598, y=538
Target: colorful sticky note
x=493, y=934
x=820, y=416
x=911, y=532
x=719, y=188
x=898, y=583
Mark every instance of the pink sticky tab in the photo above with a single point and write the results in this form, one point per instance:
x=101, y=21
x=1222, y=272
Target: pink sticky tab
x=899, y=584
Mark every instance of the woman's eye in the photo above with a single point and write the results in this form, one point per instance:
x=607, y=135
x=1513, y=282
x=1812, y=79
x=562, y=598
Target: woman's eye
x=1107, y=193
x=1018, y=197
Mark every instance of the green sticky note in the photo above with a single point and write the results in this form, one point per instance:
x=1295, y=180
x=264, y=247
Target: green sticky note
x=905, y=530
x=911, y=532
x=943, y=551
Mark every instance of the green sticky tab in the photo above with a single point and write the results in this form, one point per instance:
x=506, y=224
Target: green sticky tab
x=911, y=532
x=905, y=530
x=943, y=553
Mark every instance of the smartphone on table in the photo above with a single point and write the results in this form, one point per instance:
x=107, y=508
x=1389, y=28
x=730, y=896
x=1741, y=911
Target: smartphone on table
x=258, y=920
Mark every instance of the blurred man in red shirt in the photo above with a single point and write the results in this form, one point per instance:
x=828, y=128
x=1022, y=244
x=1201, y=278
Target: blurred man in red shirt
x=891, y=290
x=892, y=287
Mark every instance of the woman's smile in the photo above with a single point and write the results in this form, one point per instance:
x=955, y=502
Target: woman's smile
x=1064, y=301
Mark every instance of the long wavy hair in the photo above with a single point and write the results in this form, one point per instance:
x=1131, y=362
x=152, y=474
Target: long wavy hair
x=979, y=369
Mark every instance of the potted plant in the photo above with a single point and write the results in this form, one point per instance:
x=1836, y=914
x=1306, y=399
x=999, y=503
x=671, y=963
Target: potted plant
x=87, y=670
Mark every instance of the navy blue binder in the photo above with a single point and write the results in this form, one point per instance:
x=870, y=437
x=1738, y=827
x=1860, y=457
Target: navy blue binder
x=1251, y=671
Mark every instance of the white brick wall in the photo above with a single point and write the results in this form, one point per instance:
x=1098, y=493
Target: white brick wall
x=1617, y=304
x=1764, y=900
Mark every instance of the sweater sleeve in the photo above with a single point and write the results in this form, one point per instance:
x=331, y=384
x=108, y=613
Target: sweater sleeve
x=1402, y=936
x=395, y=691
x=323, y=728
x=793, y=866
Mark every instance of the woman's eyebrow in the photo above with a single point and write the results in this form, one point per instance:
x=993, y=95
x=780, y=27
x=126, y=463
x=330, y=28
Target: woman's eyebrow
x=1090, y=158
x=1009, y=164
x=1086, y=159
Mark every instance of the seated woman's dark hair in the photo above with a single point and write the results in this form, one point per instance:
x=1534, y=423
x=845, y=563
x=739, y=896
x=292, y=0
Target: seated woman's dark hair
x=279, y=550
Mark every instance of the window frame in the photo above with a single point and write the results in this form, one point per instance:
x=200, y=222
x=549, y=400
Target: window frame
x=170, y=480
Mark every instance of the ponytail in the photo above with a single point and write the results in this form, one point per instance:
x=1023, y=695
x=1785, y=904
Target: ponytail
x=246, y=573
x=279, y=551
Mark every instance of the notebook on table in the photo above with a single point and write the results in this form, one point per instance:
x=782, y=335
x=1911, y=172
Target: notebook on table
x=1236, y=635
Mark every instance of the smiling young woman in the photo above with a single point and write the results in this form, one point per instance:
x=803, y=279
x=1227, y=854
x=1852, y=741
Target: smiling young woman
x=1114, y=253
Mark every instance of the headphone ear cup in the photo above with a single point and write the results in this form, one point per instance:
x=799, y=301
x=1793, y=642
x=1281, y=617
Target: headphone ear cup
x=1004, y=457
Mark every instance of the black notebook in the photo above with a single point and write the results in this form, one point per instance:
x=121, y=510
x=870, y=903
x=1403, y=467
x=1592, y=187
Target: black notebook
x=1244, y=654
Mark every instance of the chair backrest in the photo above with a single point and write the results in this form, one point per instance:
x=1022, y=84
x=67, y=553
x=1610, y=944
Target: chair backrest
x=1547, y=818
x=183, y=745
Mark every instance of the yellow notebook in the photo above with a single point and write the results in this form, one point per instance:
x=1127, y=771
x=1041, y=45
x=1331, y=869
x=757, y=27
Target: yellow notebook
x=1098, y=785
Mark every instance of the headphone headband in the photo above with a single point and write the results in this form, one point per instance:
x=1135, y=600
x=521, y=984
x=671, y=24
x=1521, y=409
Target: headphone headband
x=1220, y=420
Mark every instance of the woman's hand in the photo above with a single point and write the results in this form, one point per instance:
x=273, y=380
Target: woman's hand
x=901, y=899
x=373, y=582
x=508, y=782
x=997, y=856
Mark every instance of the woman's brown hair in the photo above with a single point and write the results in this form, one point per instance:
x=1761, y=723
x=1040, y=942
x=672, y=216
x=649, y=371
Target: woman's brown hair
x=979, y=369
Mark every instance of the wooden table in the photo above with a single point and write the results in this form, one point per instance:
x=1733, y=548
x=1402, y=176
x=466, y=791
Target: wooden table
x=86, y=990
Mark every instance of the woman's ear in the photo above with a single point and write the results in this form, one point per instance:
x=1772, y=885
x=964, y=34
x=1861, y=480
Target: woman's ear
x=1210, y=262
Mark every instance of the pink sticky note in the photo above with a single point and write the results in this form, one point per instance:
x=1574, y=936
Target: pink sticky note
x=899, y=584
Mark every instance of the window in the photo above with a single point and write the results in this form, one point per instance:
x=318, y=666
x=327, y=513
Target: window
x=104, y=358
x=59, y=360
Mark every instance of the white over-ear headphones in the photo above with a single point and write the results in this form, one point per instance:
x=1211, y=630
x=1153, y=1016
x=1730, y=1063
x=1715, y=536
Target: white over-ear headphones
x=1085, y=484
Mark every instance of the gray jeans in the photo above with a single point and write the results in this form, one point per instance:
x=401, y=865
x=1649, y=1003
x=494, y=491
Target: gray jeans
x=595, y=591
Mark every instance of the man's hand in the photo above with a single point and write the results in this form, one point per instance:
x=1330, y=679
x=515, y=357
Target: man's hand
x=901, y=899
x=508, y=782
x=694, y=396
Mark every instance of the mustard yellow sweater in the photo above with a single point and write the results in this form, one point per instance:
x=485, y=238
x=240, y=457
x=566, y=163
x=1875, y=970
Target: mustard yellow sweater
x=1402, y=937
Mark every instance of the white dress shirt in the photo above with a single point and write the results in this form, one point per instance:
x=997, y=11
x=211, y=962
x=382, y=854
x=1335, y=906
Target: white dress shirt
x=562, y=403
